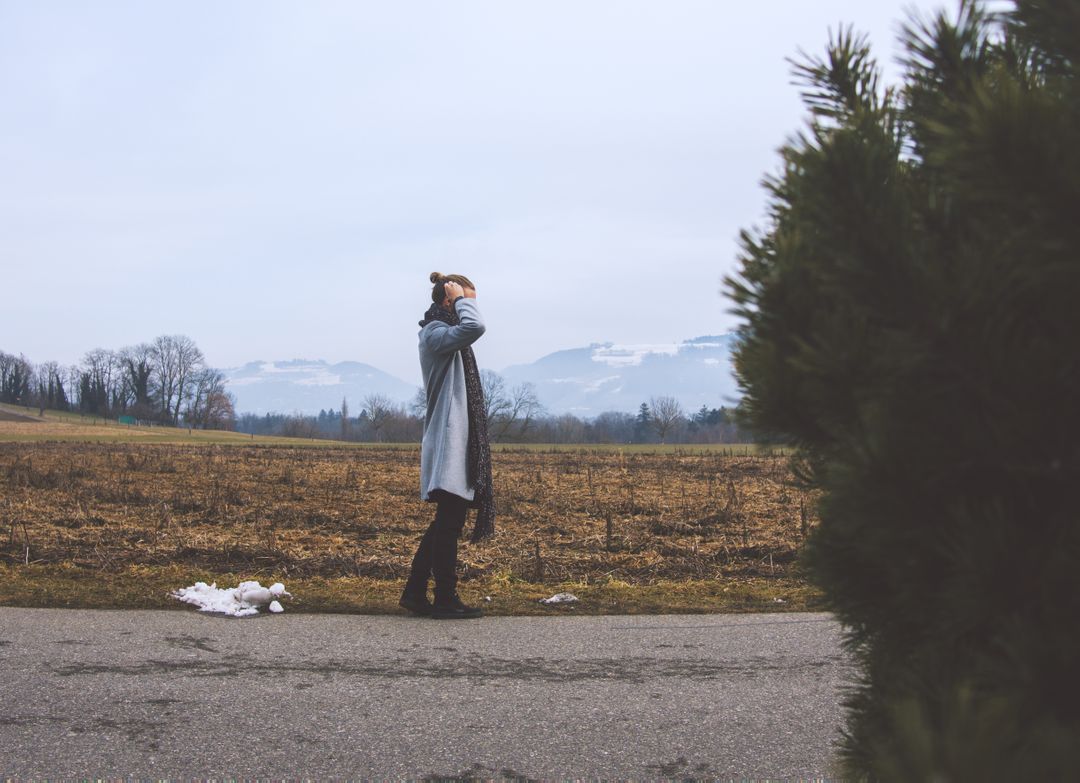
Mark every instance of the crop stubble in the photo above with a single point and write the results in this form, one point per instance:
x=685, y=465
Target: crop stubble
x=288, y=512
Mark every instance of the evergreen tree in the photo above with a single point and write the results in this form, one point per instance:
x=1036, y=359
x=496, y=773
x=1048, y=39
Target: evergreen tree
x=910, y=323
x=642, y=424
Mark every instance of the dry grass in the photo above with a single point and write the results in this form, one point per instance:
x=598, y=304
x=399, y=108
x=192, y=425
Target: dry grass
x=71, y=428
x=120, y=524
x=7, y=416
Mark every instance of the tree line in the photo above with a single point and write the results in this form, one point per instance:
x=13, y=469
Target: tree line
x=380, y=420
x=165, y=381
x=514, y=415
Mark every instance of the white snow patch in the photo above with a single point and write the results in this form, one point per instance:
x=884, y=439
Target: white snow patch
x=271, y=367
x=624, y=355
x=317, y=372
x=240, y=601
x=560, y=598
x=295, y=367
x=630, y=355
x=594, y=386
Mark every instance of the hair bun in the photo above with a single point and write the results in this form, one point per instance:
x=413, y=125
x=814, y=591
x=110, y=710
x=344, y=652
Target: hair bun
x=437, y=277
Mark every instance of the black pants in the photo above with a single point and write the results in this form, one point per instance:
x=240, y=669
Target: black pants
x=437, y=553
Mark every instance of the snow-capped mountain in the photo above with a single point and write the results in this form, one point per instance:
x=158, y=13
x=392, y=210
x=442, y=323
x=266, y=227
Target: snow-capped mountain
x=582, y=381
x=308, y=386
x=610, y=376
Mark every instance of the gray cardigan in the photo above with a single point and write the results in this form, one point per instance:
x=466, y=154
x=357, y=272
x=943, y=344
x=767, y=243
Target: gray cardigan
x=443, y=460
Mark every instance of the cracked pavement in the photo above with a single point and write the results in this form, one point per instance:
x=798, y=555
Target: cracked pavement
x=100, y=693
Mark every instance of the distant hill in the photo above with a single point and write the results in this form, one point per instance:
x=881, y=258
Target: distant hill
x=309, y=386
x=582, y=381
x=610, y=376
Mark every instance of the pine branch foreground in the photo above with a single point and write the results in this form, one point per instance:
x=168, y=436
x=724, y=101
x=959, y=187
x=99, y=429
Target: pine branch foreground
x=911, y=322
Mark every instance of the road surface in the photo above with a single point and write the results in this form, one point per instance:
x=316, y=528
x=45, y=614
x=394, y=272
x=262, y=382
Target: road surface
x=91, y=693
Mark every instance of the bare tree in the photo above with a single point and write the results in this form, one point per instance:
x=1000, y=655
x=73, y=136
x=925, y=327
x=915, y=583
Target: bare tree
x=220, y=410
x=401, y=426
x=16, y=379
x=510, y=414
x=418, y=405
x=613, y=427
x=51, y=386
x=378, y=409
x=190, y=363
x=176, y=359
x=210, y=406
x=7, y=364
x=667, y=412
x=568, y=429
x=299, y=426
x=99, y=387
x=74, y=374
x=496, y=403
x=166, y=361
x=525, y=407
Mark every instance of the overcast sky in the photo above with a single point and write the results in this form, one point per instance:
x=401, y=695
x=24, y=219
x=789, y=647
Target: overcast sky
x=277, y=179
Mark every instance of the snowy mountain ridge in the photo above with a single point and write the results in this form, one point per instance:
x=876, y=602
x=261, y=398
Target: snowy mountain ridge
x=615, y=376
x=584, y=381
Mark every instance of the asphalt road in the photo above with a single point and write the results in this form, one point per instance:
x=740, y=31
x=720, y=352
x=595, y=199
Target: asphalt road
x=107, y=694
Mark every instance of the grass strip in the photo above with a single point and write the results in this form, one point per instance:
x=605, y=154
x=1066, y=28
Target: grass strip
x=148, y=587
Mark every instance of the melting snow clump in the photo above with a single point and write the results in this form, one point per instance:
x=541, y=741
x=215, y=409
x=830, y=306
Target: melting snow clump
x=240, y=601
x=560, y=598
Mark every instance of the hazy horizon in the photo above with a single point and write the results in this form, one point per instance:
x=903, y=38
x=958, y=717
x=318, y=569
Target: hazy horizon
x=277, y=180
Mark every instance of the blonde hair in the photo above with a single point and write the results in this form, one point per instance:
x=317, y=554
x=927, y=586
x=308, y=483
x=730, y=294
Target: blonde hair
x=438, y=291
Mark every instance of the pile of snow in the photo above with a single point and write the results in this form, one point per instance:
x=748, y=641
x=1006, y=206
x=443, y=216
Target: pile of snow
x=560, y=598
x=239, y=601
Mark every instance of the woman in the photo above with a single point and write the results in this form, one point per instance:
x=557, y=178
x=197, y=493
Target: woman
x=455, y=459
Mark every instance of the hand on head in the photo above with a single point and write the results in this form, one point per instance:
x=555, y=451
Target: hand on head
x=453, y=291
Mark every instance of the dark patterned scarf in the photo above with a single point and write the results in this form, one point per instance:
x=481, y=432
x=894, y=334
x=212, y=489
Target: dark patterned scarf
x=478, y=453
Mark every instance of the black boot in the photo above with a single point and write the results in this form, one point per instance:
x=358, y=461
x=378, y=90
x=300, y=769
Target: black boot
x=416, y=601
x=451, y=608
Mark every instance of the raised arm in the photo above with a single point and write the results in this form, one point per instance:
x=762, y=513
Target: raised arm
x=443, y=338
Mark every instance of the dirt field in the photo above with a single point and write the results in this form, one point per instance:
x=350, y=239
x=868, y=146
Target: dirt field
x=585, y=518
